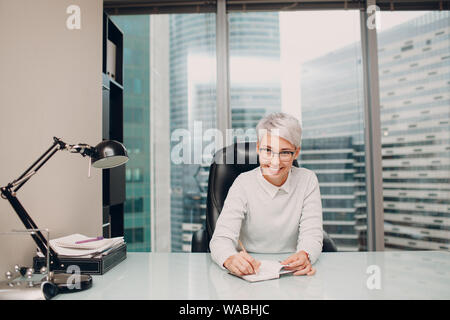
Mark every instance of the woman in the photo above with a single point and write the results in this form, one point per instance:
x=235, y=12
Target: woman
x=274, y=208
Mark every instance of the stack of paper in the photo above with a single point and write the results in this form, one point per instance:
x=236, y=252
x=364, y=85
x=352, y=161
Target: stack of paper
x=67, y=247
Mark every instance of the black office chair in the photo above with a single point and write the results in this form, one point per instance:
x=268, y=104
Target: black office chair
x=221, y=177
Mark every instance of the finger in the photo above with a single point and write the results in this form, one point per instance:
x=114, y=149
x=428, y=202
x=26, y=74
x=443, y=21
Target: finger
x=235, y=270
x=248, y=266
x=246, y=256
x=289, y=260
x=303, y=271
x=245, y=267
x=258, y=265
x=312, y=272
x=253, y=262
x=297, y=264
x=240, y=267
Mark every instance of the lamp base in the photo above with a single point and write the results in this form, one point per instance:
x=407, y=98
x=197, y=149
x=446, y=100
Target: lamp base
x=68, y=283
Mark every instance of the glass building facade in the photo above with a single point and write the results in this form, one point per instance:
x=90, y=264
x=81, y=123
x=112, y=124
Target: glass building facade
x=192, y=107
x=254, y=41
x=193, y=101
x=414, y=61
x=333, y=140
x=414, y=73
x=136, y=118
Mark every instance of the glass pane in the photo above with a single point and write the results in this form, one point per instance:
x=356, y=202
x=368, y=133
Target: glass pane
x=136, y=127
x=169, y=102
x=254, y=42
x=295, y=63
x=192, y=111
x=414, y=73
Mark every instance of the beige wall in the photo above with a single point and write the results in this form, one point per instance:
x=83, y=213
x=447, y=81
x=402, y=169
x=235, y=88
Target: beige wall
x=50, y=85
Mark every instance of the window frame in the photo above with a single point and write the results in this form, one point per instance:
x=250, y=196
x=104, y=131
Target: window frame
x=372, y=121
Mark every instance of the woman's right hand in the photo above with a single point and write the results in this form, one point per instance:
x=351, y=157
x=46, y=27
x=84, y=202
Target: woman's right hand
x=242, y=264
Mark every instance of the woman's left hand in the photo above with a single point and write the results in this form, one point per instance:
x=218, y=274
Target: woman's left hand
x=299, y=261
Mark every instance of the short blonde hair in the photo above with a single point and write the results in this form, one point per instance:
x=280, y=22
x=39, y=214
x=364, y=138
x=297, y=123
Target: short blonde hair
x=283, y=125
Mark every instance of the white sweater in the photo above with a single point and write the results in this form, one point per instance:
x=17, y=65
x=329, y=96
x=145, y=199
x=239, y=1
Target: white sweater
x=270, y=219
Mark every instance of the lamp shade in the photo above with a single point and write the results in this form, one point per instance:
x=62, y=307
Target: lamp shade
x=109, y=154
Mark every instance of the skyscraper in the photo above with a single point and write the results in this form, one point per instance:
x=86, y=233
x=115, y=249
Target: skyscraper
x=332, y=144
x=192, y=98
x=414, y=61
x=136, y=130
x=252, y=36
x=192, y=84
x=414, y=73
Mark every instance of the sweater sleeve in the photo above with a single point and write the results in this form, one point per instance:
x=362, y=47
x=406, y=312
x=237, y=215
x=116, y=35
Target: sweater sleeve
x=310, y=237
x=224, y=241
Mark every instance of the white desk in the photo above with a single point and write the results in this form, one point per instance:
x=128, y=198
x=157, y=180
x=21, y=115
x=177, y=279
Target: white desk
x=341, y=275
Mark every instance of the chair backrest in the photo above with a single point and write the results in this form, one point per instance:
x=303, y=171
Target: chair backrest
x=227, y=164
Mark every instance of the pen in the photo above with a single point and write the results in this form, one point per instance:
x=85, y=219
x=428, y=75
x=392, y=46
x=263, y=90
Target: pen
x=89, y=240
x=242, y=246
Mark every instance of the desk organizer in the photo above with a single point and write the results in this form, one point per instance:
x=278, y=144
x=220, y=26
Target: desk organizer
x=92, y=266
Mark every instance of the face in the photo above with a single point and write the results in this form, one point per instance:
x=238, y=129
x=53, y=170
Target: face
x=276, y=168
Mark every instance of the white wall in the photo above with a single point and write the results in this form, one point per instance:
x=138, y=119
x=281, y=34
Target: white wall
x=50, y=85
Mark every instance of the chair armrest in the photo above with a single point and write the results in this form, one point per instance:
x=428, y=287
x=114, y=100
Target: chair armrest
x=200, y=241
x=328, y=243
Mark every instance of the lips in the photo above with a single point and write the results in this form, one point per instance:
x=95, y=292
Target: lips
x=273, y=170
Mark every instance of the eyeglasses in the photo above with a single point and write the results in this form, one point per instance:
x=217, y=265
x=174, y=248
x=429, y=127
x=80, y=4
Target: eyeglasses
x=284, y=155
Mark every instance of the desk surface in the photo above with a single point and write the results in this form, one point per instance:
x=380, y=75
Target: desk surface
x=340, y=275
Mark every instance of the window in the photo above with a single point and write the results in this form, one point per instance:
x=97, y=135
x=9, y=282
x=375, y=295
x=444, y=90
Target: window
x=133, y=205
x=136, y=130
x=255, y=87
x=416, y=142
x=134, y=235
x=170, y=79
x=192, y=108
x=309, y=64
x=273, y=68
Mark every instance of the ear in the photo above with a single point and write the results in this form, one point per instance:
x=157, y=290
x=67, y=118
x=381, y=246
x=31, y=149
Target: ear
x=297, y=152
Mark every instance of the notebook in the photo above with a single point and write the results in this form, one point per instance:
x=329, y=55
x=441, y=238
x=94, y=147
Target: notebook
x=268, y=270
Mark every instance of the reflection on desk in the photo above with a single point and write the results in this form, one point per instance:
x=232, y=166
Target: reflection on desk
x=340, y=275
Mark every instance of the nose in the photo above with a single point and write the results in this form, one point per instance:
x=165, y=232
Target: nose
x=275, y=160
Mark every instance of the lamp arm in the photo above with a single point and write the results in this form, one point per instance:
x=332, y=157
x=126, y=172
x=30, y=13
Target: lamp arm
x=23, y=175
x=23, y=215
x=58, y=144
x=33, y=172
x=10, y=195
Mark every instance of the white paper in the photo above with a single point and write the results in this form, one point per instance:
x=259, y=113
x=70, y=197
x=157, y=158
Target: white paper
x=268, y=269
x=66, y=246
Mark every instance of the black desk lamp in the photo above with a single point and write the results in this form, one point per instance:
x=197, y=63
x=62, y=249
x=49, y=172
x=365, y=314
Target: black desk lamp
x=106, y=154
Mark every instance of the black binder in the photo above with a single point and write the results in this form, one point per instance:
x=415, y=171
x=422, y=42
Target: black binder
x=92, y=266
